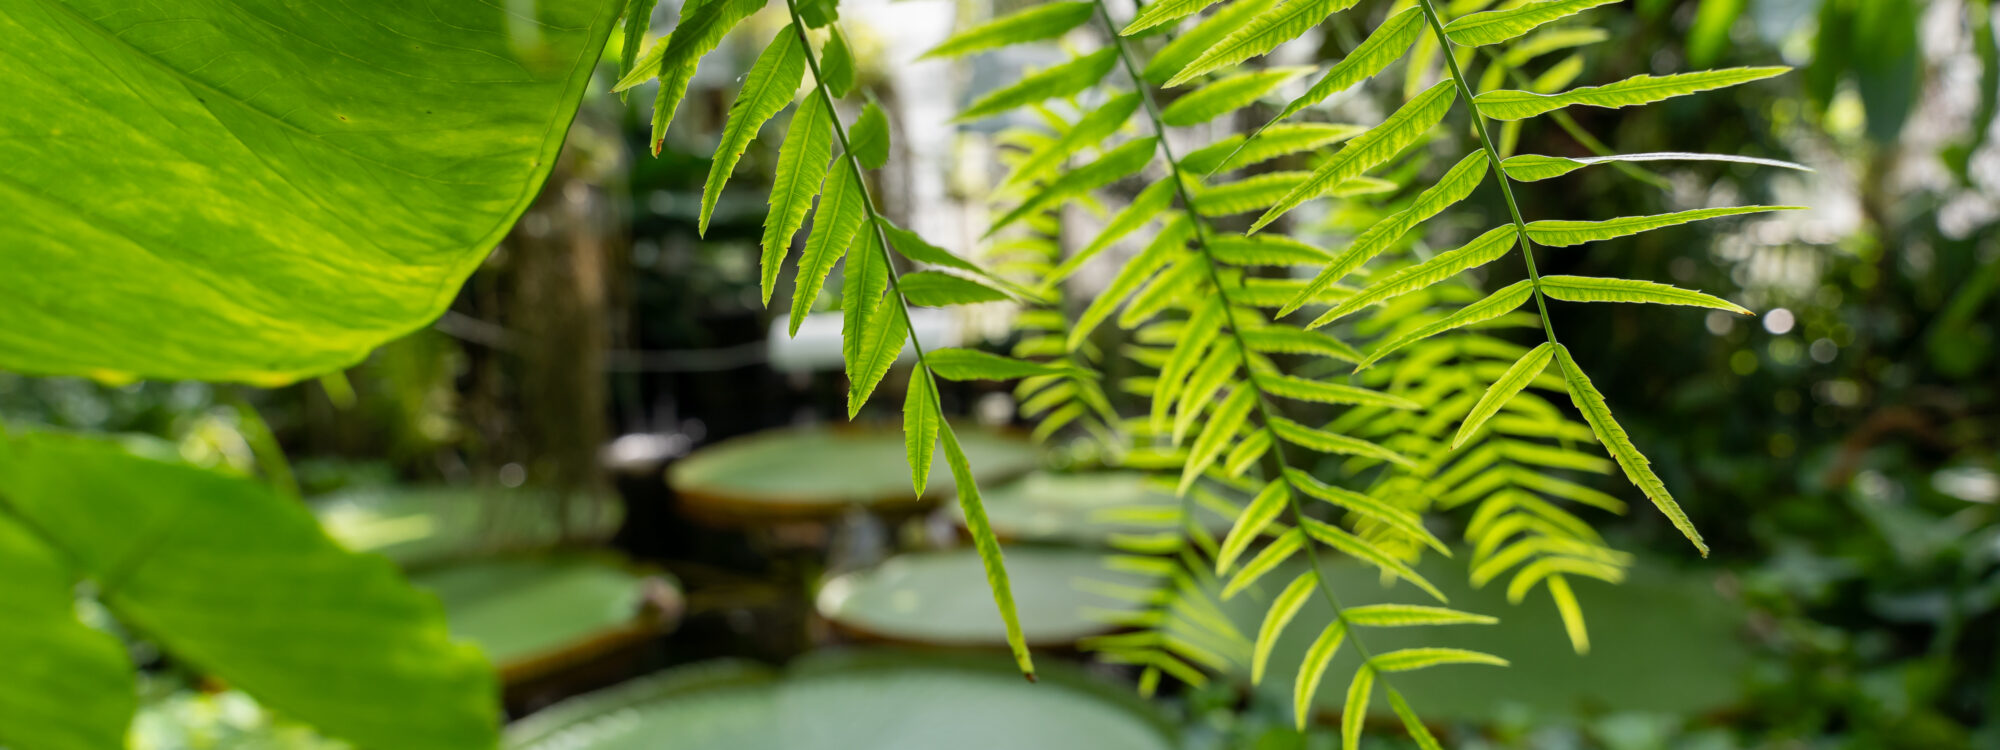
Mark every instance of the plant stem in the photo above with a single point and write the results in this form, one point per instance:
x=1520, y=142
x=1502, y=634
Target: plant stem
x=1493, y=154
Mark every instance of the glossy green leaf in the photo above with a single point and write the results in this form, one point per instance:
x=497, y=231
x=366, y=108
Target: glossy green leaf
x=1642, y=89
x=1496, y=26
x=838, y=220
x=870, y=137
x=836, y=65
x=1589, y=401
x=226, y=576
x=1384, y=45
x=1456, y=184
x=1166, y=11
x=1482, y=250
x=1411, y=659
x=1590, y=289
x=1405, y=615
x=1493, y=306
x=973, y=364
x=1037, y=22
x=1321, y=392
x=69, y=686
x=262, y=191
x=1403, y=128
x=1355, y=712
x=988, y=545
x=940, y=289
x=920, y=427
x=1261, y=35
x=772, y=82
x=1566, y=233
x=1188, y=45
x=802, y=167
x=1067, y=79
x=1536, y=167
x=1510, y=384
x=1227, y=95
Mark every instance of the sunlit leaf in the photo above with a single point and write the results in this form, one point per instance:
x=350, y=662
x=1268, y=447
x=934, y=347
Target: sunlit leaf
x=1565, y=233
x=1037, y=22
x=1592, y=289
x=1485, y=249
x=1496, y=26
x=838, y=220
x=1227, y=95
x=772, y=81
x=1403, y=128
x=1503, y=390
x=1493, y=306
x=1066, y=79
x=1637, y=468
x=988, y=545
x=1261, y=35
x=870, y=137
x=1536, y=167
x=802, y=162
x=1383, y=46
x=1642, y=89
x=1457, y=183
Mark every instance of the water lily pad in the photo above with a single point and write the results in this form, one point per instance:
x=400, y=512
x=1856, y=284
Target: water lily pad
x=819, y=472
x=533, y=616
x=1083, y=508
x=870, y=701
x=941, y=598
x=418, y=526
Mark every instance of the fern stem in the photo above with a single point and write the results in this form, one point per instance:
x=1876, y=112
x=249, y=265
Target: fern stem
x=1493, y=154
x=1264, y=409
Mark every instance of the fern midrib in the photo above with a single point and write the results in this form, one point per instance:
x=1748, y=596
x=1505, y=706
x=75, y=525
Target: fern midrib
x=1493, y=155
x=1277, y=450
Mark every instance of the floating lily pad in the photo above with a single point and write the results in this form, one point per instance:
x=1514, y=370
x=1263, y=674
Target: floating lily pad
x=1083, y=508
x=1665, y=641
x=533, y=616
x=427, y=525
x=871, y=701
x=942, y=598
x=819, y=472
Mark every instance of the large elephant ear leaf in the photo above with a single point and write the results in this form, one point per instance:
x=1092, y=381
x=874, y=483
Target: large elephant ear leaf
x=263, y=190
x=241, y=584
x=69, y=686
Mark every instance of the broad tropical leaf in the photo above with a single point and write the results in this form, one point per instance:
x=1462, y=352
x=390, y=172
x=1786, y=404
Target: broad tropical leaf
x=1403, y=128
x=1536, y=167
x=988, y=545
x=1589, y=289
x=1037, y=22
x=1566, y=233
x=1496, y=26
x=1637, y=468
x=802, y=163
x=1493, y=306
x=1503, y=390
x=1478, y=252
x=1261, y=35
x=69, y=686
x=772, y=82
x=187, y=206
x=1066, y=79
x=1642, y=89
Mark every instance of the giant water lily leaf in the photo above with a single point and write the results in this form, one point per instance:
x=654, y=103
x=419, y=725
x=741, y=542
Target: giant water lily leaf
x=262, y=190
x=240, y=583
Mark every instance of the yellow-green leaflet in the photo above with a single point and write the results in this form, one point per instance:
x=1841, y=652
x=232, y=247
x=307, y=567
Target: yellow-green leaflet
x=1412, y=659
x=973, y=364
x=1383, y=46
x=1485, y=249
x=864, y=333
x=1457, y=183
x=1301, y=389
x=1536, y=167
x=1411, y=723
x=1154, y=14
x=1572, y=614
x=836, y=65
x=1496, y=26
x=1589, y=401
x=1403, y=128
x=1263, y=509
x=1566, y=233
x=1509, y=104
x=914, y=247
x=1398, y=518
x=1227, y=95
x=1101, y=122
x=802, y=162
x=1202, y=329
x=1213, y=374
x=1276, y=339
x=1271, y=250
x=1273, y=141
x=1037, y=22
x=1355, y=711
x=1327, y=442
x=1589, y=289
x=1127, y=158
x=920, y=427
x=1405, y=615
x=839, y=220
x=1067, y=79
x=1495, y=305
x=1279, y=550
x=772, y=82
x=1283, y=609
x=1222, y=426
x=1261, y=35
x=1503, y=390
x=870, y=137
x=1318, y=656
x=1144, y=208
x=988, y=546
x=941, y=289
x=1339, y=539
x=1166, y=246
x=1191, y=43
x=703, y=24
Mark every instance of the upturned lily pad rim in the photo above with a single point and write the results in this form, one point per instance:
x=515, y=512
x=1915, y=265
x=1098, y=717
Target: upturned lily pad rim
x=948, y=643
x=655, y=618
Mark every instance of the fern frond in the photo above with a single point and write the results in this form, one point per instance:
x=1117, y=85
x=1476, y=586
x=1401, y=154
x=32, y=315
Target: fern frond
x=1588, y=289
x=1383, y=46
x=1637, y=468
x=1457, y=183
x=802, y=167
x=1115, y=164
x=1227, y=95
x=1406, y=615
x=1536, y=167
x=1193, y=42
x=1566, y=233
x=1496, y=26
x=1504, y=389
x=1498, y=304
x=1369, y=149
x=1411, y=659
x=1235, y=152
x=837, y=220
x=1066, y=79
x=1261, y=35
x=772, y=81
x=1641, y=89
x=1033, y=24
x=1088, y=131
x=1482, y=250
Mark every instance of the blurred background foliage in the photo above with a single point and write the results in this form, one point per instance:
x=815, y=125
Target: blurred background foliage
x=1841, y=450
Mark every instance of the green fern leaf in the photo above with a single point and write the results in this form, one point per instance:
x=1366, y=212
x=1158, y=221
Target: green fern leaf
x=1509, y=104
x=1263, y=509
x=1093, y=128
x=1403, y=128
x=1259, y=192
x=1572, y=614
x=1405, y=615
x=865, y=344
x=1589, y=289
x=1400, y=519
x=1327, y=442
x=1318, y=656
x=1301, y=389
x=1637, y=468
x=1277, y=339
x=1353, y=546
x=914, y=247
x=770, y=85
x=1281, y=548
x=1482, y=250
x=836, y=65
x=920, y=427
x=1222, y=425
x=802, y=166
x=1212, y=375
x=940, y=289
x=1201, y=330
x=1283, y=609
x=1264, y=251
x=1227, y=95
x=838, y=220
x=1495, y=305
x=1387, y=43
x=1193, y=42
x=1034, y=24
x=702, y=26
x=1117, y=163
x=1456, y=184
x=989, y=547
x=1261, y=35
x=1355, y=712
x=1494, y=27
x=1067, y=79
x=870, y=137
x=1411, y=723
x=1503, y=390
x=1412, y=659
x=1166, y=11
x=1536, y=167
x=1164, y=248
x=1146, y=206
x=1247, y=452
x=1567, y=233
x=1272, y=142
x=973, y=364
x=638, y=16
